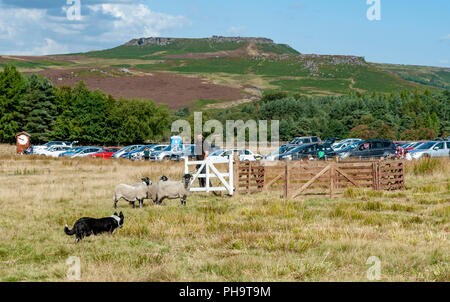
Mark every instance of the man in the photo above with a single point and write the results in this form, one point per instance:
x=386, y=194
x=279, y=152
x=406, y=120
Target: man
x=147, y=154
x=202, y=150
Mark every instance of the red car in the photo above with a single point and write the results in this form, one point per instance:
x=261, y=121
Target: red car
x=105, y=153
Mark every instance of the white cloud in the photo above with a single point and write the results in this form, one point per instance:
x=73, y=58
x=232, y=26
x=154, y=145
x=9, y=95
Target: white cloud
x=133, y=21
x=37, y=31
x=47, y=47
x=446, y=37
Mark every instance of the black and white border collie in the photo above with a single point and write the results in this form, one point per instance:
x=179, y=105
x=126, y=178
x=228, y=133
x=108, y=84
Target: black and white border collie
x=86, y=226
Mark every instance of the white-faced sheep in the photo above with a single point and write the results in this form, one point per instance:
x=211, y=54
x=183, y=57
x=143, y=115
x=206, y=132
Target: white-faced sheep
x=173, y=189
x=133, y=193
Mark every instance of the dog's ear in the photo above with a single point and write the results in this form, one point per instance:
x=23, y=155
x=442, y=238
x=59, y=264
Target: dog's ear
x=121, y=214
x=115, y=213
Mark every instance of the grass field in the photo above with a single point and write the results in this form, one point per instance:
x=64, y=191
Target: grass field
x=250, y=238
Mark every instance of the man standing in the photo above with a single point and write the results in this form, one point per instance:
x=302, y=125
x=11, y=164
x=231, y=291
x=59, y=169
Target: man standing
x=202, y=150
x=147, y=154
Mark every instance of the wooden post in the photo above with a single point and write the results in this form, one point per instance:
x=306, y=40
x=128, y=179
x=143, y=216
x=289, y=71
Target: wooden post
x=248, y=176
x=374, y=176
x=236, y=174
x=287, y=180
x=332, y=179
x=264, y=179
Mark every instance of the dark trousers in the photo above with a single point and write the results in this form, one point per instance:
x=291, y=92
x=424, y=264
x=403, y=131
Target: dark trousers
x=201, y=180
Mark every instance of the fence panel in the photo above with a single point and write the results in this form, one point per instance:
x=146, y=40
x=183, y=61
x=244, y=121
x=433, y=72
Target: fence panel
x=294, y=178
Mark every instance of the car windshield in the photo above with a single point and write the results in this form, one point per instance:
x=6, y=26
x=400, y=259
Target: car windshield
x=425, y=146
x=350, y=147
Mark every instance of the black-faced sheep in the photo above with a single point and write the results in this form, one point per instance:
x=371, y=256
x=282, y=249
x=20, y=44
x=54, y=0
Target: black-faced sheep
x=173, y=189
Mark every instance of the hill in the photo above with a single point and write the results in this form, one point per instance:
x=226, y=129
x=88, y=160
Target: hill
x=220, y=69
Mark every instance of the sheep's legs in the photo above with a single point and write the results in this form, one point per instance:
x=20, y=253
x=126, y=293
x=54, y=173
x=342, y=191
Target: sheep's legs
x=183, y=200
x=132, y=203
x=141, y=203
x=115, y=204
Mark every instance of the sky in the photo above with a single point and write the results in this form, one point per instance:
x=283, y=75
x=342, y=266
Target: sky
x=414, y=32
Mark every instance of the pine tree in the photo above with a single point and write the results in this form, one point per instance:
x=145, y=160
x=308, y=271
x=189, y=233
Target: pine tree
x=13, y=88
x=40, y=109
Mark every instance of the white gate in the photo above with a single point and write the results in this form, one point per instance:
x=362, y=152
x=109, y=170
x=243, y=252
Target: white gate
x=212, y=172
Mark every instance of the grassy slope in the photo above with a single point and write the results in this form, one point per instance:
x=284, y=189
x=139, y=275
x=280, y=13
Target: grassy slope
x=288, y=73
x=425, y=75
x=250, y=238
x=339, y=77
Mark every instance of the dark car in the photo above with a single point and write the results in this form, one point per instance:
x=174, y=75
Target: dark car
x=373, y=148
x=312, y=151
x=305, y=140
x=292, y=152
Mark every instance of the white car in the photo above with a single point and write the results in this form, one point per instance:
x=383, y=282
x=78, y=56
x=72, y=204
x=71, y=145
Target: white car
x=155, y=148
x=431, y=149
x=344, y=143
x=244, y=154
x=86, y=152
x=38, y=149
x=55, y=151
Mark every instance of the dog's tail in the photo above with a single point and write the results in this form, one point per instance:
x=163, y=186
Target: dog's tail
x=69, y=232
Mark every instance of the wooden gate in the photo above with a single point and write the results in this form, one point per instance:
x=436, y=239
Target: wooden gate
x=249, y=177
x=318, y=177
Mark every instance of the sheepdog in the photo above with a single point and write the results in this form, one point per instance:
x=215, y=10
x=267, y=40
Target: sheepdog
x=86, y=226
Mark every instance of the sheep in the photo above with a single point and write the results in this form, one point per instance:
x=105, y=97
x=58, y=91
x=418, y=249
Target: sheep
x=173, y=189
x=132, y=193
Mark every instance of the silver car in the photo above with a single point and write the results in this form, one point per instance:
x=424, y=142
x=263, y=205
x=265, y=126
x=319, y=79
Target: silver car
x=431, y=149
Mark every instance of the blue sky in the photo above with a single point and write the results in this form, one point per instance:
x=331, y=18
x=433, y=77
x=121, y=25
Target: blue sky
x=409, y=32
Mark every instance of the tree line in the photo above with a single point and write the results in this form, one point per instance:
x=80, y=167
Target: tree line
x=404, y=115
x=33, y=104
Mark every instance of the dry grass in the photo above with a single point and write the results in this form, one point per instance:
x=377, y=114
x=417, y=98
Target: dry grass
x=250, y=238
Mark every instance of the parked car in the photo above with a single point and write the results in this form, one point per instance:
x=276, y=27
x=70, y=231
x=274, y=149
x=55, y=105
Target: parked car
x=276, y=155
x=105, y=153
x=244, y=154
x=344, y=143
x=86, y=152
x=72, y=151
x=131, y=153
x=124, y=150
x=312, y=151
x=164, y=152
x=139, y=153
x=342, y=153
x=305, y=140
x=374, y=148
x=189, y=152
x=291, y=152
x=54, y=151
x=412, y=146
x=431, y=149
x=38, y=149
x=330, y=141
